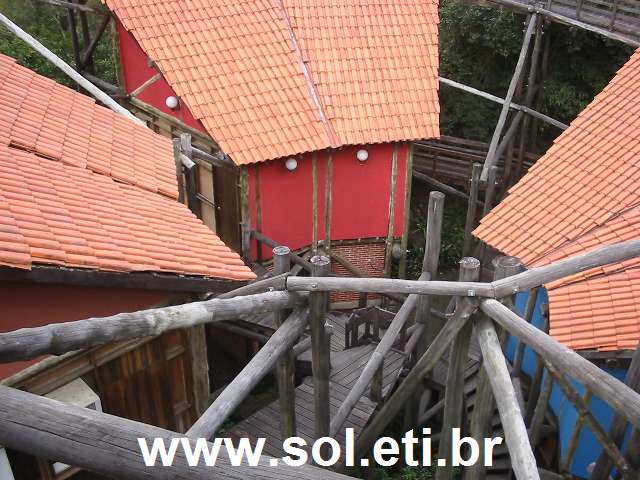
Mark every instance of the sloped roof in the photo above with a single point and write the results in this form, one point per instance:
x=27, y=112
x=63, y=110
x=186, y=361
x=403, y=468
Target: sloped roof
x=83, y=187
x=583, y=193
x=272, y=78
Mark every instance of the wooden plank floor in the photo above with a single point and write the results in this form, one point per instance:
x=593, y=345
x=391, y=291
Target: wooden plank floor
x=346, y=368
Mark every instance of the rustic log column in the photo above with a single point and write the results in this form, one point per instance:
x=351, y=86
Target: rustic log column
x=472, y=208
x=432, y=244
x=535, y=429
x=286, y=366
x=454, y=392
x=177, y=151
x=191, y=180
x=523, y=461
x=320, y=352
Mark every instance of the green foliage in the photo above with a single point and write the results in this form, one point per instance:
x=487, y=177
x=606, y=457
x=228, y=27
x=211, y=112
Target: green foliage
x=453, y=221
x=479, y=46
x=50, y=25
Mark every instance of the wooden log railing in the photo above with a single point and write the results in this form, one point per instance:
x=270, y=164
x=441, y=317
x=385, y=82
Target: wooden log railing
x=493, y=300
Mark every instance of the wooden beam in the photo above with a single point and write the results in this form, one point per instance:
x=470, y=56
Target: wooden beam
x=570, y=21
x=146, y=84
x=74, y=6
x=624, y=400
x=269, y=284
x=190, y=174
x=454, y=395
x=218, y=159
x=245, y=214
x=320, y=351
x=542, y=403
x=523, y=461
x=259, y=366
x=88, y=52
x=564, y=268
x=297, y=259
x=285, y=373
x=422, y=368
x=175, y=283
x=177, y=152
x=491, y=156
x=387, y=285
x=490, y=192
x=528, y=316
x=108, y=445
x=513, y=106
x=67, y=70
x=443, y=187
x=59, y=338
x=314, y=203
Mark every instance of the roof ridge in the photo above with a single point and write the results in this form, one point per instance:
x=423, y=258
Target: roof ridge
x=306, y=72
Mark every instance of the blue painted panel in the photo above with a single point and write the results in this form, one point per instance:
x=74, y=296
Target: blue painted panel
x=588, y=448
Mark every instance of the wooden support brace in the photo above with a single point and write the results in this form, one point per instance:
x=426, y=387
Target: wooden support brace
x=491, y=157
x=472, y=208
x=259, y=366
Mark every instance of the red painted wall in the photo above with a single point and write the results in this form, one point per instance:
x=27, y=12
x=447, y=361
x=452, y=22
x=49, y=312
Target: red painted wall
x=136, y=71
x=33, y=305
x=360, y=193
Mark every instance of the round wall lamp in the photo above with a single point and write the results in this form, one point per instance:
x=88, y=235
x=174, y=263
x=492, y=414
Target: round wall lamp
x=362, y=155
x=291, y=164
x=171, y=102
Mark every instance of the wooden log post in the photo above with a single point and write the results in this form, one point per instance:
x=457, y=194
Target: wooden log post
x=260, y=365
x=618, y=426
x=623, y=399
x=199, y=368
x=472, y=208
x=408, y=181
x=491, y=159
x=388, y=255
x=454, y=392
x=245, y=214
x=320, y=352
x=286, y=366
x=490, y=190
x=422, y=368
x=108, y=445
x=536, y=381
x=59, y=338
x=523, y=461
x=484, y=407
x=430, y=260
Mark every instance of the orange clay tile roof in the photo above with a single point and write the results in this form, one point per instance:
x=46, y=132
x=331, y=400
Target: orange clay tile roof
x=74, y=191
x=272, y=78
x=583, y=193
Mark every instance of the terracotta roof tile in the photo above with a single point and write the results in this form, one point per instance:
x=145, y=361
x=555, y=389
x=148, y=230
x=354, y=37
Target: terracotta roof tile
x=93, y=192
x=272, y=78
x=582, y=194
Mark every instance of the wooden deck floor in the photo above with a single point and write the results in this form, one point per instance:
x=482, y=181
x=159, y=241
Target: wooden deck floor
x=346, y=368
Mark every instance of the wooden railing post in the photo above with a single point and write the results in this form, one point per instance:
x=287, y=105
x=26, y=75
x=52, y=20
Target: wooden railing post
x=454, y=391
x=433, y=241
x=285, y=372
x=320, y=352
x=472, y=209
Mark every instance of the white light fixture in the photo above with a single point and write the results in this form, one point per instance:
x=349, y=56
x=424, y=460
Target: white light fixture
x=362, y=155
x=291, y=164
x=171, y=102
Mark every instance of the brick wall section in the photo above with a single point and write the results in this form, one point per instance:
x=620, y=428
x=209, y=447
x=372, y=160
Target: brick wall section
x=369, y=257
